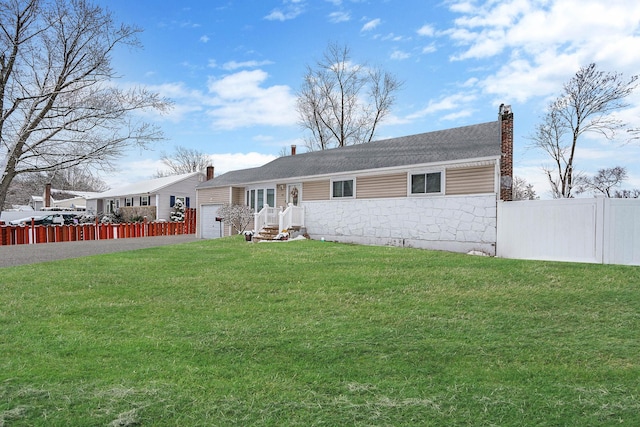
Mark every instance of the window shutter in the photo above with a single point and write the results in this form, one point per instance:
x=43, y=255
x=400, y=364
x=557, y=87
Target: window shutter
x=186, y=202
x=172, y=201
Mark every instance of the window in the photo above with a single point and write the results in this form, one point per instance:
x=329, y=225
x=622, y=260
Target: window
x=174, y=199
x=260, y=200
x=144, y=200
x=343, y=188
x=271, y=197
x=128, y=201
x=425, y=183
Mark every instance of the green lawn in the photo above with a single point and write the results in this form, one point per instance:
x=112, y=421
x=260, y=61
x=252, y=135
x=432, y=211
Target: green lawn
x=310, y=333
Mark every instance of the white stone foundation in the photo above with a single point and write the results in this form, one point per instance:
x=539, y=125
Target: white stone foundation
x=450, y=223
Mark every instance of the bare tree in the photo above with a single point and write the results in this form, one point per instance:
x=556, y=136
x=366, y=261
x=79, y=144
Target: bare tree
x=604, y=181
x=68, y=181
x=585, y=105
x=238, y=216
x=59, y=106
x=522, y=190
x=627, y=194
x=184, y=160
x=342, y=103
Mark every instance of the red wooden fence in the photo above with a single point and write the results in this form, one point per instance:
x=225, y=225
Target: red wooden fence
x=20, y=235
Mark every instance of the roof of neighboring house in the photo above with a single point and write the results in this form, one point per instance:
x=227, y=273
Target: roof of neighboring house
x=75, y=193
x=468, y=142
x=145, y=187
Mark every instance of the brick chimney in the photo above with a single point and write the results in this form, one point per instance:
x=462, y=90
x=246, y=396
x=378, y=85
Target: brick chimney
x=209, y=173
x=47, y=196
x=293, y=150
x=506, y=162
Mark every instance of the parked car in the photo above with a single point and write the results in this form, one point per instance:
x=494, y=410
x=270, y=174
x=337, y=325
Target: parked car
x=58, y=218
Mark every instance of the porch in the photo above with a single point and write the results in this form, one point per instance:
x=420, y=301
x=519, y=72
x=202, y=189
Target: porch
x=271, y=223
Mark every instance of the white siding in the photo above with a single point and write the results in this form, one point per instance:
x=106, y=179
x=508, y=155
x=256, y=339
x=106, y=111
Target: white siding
x=185, y=188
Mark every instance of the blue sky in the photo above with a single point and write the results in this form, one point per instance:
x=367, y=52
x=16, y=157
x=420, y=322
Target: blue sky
x=232, y=69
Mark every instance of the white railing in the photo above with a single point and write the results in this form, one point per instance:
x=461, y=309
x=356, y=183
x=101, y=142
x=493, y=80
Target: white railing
x=293, y=216
x=266, y=216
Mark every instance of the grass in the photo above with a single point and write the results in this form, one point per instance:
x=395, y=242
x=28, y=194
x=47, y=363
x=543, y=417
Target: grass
x=315, y=333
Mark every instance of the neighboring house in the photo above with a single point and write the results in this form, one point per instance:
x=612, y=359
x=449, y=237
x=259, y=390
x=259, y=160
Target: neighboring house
x=37, y=202
x=52, y=199
x=71, y=200
x=154, y=198
x=436, y=190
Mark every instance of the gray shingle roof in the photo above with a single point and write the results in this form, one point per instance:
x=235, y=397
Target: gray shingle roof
x=468, y=142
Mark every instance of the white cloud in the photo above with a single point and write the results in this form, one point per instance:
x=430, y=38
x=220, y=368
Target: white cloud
x=226, y=162
x=400, y=55
x=277, y=15
x=426, y=31
x=204, y=39
x=535, y=26
x=457, y=115
x=521, y=80
x=371, y=25
x=143, y=167
x=292, y=9
x=458, y=102
x=541, y=43
x=186, y=101
x=337, y=17
x=239, y=100
x=429, y=49
x=233, y=65
x=392, y=37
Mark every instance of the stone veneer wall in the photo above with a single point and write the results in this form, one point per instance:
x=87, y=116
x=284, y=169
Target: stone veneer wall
x=451, y=223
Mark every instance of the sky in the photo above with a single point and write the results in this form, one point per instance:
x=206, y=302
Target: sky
x=232, y=69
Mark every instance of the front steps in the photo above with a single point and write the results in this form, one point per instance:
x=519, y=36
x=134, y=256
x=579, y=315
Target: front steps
x=268, y=232
x=271, y=232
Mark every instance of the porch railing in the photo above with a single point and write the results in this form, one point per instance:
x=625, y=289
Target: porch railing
x=266, y=216
x=293, y=216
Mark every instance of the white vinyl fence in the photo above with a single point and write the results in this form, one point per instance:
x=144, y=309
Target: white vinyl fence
x=598, y=230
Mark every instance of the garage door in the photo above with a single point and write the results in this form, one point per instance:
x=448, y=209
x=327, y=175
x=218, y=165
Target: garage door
x=209, y=227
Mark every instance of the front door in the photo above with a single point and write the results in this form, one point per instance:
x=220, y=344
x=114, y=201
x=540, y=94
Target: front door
x=294, y=194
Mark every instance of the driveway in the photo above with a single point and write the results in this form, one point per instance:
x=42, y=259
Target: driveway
x=31, y=254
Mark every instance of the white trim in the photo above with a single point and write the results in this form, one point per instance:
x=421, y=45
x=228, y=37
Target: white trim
x=442, y=173
x=343, y=179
